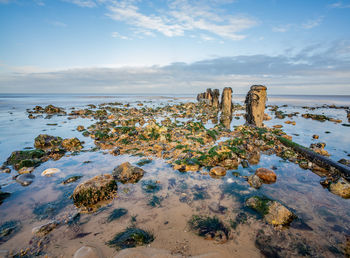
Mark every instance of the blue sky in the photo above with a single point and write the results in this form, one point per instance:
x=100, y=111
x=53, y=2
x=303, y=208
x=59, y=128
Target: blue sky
x=181, y=46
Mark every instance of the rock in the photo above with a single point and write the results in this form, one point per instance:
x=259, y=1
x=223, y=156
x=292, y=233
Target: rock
x=94, y=190
x=290, y=122
x=51, y=109
x=345, y=162
x=254, y=181
x=50, y=171
x=218, y=171
x=6, y=170
x=72, y=144
x=315, y=136
x=25, y=170
x=273, y=212
x=341, y=188
x=266, y=175
x=230, y=163
x=25, y=179
x=116, y=151
x=87, y=252
x=27, y=158
x=226, y=101
x=8, y=229
x=71, y=179
x=216, y=95
x=43, y=230
x=126, y=173
x=80, y=128
x=44, y=141
x=277, y=126
x=255, y=105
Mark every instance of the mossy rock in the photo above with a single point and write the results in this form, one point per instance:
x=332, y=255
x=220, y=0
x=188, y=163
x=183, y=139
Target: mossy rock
x=94, y=190
x=44, y=141
x=72, y=144
x=71, y=179
x=26, y=158
x=131, y=237
x=126, y=173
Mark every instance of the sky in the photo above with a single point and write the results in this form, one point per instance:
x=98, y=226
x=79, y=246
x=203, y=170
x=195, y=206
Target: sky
x=179, y=46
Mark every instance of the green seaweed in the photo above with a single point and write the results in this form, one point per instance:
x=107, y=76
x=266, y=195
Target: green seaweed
x=207, y=226
x=143, y=162
x=131, y=237
x=116, y=214
x=150, y=186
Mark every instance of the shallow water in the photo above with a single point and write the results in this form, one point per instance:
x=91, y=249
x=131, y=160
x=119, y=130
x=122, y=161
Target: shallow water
x=325, y=217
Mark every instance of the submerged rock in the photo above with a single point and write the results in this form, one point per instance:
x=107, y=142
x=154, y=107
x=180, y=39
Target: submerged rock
x=266, y=175
x=254, y=181
x=25, y=170
x=131, y=237
x=72, y=144
x=126, y=173
x=71, y=179
x=25, y=179
x=45, y=229
x=341, y=188
x=3, y=196
x=94, y=190
x=87, y=252
x=272, y=211
x=8, y=230
x=255, y=105
x=50, y=171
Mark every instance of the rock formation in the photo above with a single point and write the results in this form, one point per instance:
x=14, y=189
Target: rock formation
x=216, y=95
x=226, y=101
x=255, y=105
x=211, y=97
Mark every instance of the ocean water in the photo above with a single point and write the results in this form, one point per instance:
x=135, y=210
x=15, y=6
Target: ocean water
x=327, y=215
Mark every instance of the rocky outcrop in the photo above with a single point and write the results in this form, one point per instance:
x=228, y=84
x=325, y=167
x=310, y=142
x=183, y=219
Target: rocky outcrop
x=211, y=97
x=126, y=173
x=273, y=212
x=94, y=190
x=267, y=175
x=226, y=101
x=27, y=158
x=341, y=188
x=44, y=141
x=255, y=105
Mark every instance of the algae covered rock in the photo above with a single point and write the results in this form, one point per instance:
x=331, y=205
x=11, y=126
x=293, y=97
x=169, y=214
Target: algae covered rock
x=45, y=229
x=273, y=212
x=72, y=144
x=254, y=181
x=209, y=227
x=131, y=237
x=126, y=173
x=44, y=141
x=94, y=190
x=26, y=158
x=8, y=230
x=341, y=188
x=218, y=171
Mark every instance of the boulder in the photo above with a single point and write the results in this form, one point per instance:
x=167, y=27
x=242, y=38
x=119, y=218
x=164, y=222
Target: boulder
x=44, y=141
x=273, y=212
x=267, y=175
x=94, y=190
x=72, y=144
x=341, y=188
x=255, y=105
x=25, y=179
x=254, y=181
x=26, y=158
x=126, y=173
x=218, y=171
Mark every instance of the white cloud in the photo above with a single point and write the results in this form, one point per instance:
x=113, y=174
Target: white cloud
x=177, y=17
x=83, y=3
x=312, y=23
x=282, y=28
x=339, y=5
x=118, y=35
x=58, y=24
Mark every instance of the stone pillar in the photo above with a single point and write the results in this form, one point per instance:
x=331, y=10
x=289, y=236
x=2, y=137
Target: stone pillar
x=255, y=105
x=226, y=101
x=226, y=120
x=209, y=96
x=216, y=95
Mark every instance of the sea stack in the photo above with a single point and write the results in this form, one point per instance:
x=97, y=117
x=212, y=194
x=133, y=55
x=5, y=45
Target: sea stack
x=216, y=95
x=255, y=105
x=226, y=101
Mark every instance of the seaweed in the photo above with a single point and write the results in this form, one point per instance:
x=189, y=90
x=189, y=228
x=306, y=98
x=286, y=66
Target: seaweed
x=143, y=162
x=8, y=230
x=150, y=186
x=155, y=201
x=71, y=179
x=207, y=226
x=116, y=214
x=131, y=237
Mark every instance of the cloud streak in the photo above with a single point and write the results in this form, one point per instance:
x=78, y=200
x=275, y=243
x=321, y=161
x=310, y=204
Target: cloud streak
x=324, y=71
